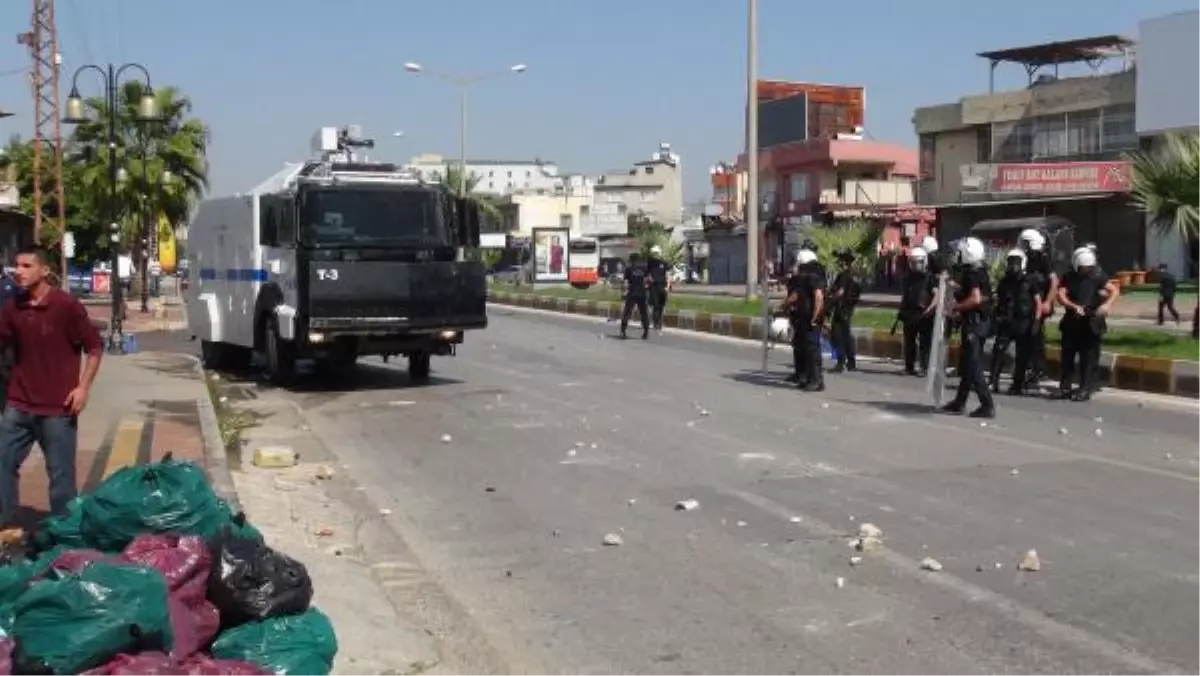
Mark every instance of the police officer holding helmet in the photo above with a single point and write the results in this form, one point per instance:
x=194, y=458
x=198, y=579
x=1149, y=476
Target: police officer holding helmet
x=1018, y=304
x=806, y=308
x=1086, y=295
x=972, y=308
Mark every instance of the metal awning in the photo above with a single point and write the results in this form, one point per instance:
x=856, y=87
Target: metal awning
x=1047, y=224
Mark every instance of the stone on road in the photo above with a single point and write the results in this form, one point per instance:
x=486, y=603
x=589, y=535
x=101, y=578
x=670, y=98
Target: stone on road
x=1113, y=518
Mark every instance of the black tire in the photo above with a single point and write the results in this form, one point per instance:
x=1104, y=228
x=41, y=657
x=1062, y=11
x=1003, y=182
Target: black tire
x=419, y=365
x=281, y=355
x=219, y=356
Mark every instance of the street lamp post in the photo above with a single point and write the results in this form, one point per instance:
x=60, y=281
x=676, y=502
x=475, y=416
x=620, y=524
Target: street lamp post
x=463, y=82
x=752, y=233
x=76, y=114
x=149, y=238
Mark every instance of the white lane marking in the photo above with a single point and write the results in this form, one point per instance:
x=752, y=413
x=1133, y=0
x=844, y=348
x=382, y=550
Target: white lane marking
x=1034, y=619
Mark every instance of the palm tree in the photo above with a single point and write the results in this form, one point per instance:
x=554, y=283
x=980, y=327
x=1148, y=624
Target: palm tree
x=1166, y=185
x=173, y=145
x=454, y=181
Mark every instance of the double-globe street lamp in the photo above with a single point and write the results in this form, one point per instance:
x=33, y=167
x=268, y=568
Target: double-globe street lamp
x=147, y=110
x=464, y=82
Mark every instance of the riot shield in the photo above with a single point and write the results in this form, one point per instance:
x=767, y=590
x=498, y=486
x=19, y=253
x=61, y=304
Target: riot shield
x=935, y=378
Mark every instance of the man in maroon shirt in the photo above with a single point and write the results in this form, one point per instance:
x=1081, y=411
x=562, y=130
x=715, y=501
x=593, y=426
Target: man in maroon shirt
x=47, y=329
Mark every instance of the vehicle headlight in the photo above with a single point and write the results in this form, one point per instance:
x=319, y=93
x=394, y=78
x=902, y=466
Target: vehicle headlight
x=448, y=335
x=316, y=337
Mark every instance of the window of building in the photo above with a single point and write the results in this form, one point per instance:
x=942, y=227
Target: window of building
x=564, y=221
x=798, y=187
x=510, y=174
x=491, y=173
x=1049, y=136
x=622, y=209
x=983, y=144
x=528, y=174
x=584, y=210
x=928, y=155
x=1118, y=131
x=1012, y=141
x=649, y=170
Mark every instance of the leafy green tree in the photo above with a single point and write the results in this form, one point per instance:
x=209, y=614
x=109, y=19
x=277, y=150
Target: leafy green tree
x=861, y=237
x=1166, y=185
x=452, y=178
x=82, y=219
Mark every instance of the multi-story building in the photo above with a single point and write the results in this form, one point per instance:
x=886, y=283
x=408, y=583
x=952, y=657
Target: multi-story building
x=493, y=177
x=653, y=187
x=1055, y=147
x=1168, y=86
x=567, y=204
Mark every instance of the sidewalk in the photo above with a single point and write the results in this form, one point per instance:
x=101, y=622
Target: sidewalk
x=142, y=407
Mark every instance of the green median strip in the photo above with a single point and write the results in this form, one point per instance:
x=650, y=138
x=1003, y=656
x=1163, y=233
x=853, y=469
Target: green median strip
x=1123, y=340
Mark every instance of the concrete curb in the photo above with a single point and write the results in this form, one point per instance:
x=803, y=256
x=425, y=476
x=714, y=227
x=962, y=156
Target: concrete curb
x=1120, y=371
x=215, y=462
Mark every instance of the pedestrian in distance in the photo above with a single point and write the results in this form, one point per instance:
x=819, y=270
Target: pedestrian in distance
x=918, y=306
x=972, y=308
x=47, y=329
x=637, y=289
x=806, y=306
x=1166, y=293
x=1018, y=303
x=843, y=298
x=1087, y=296
x=660, y=286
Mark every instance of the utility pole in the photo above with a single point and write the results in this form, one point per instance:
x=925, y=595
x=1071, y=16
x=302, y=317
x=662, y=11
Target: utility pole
x=752, y=226
x=42, y=41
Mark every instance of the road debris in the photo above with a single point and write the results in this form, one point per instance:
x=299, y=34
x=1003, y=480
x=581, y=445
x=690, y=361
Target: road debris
x=795, y=519
x=324, y=532
x=385, y=512
x=855, y=560
x=1168, y=456
x=579, y=444
x=446, y=438
x=572, y=453
x=1098, y=419
x=869, y=530
x=741, y=524
x=1014, y=471
x=691, y=423
x=613, y=540
x=1031, y=562
x=489, y=489
x=866, y=544
x=840, y=582
x=931, y=564
x=704, y=413
x=275, y=457
x=687, y=505
x=632, y=501
x=324, y=472
x=824, y=404
x=1099, y=432
x=1063, y=431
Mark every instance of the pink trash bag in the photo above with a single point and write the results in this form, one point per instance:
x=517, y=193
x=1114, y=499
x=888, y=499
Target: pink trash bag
x=6, y=651
x=158, y=664
x=75, y=560
x=185, y=563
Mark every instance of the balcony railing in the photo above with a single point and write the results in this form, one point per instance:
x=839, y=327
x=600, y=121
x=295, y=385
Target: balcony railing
x=861, y=192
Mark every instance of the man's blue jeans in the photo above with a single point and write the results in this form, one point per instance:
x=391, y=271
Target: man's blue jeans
x=57, y=436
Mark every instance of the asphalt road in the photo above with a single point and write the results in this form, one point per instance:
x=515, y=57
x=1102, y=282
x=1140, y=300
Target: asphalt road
x=559, y=434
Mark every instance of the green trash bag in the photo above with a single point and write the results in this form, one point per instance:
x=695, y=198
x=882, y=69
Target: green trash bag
x=288, y=644
x=80, y=621
x=62, y=530
x=14, y=579
x=165, y=497
x=241, y=526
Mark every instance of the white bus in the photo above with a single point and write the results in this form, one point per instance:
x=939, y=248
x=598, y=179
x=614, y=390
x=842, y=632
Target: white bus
x=585, y=262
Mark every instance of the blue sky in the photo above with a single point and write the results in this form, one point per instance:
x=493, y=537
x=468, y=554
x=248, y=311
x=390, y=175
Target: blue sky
x=607, y=81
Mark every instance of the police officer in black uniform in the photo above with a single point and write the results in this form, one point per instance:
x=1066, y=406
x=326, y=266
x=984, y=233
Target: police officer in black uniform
x=972, y=307
x=660, y=284
x=806, y=305
x=917, y=308
x=637, y=287
x=1086, y=295
x=843, y=298
x=1038, y=262
x=1018, y=303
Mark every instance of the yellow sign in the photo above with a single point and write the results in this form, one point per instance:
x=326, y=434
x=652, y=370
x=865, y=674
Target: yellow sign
x=166, y=246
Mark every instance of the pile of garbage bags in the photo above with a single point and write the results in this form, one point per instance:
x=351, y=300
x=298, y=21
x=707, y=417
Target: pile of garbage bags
x=152, y=573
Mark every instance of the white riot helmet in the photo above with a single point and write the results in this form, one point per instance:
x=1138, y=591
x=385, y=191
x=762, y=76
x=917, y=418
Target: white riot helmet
x=1016, y=260
x=929, y=244
x=1032, y=239
x=656, y=250
x=1090, y=246
x=1083, y=257
x=971, y=252
x=805, y=256
x=918, y=259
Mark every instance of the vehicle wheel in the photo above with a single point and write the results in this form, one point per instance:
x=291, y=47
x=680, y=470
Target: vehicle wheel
x=218, y=356
x=210, y=354
x=418, y=365
x=281, y=355
x=582, y=286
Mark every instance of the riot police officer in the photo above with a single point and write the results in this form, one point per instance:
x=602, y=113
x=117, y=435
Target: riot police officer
x=972, y=308
x=660, y=284
x=1017, y=306
x=1037, y=262
x=806, y=306
x=1086, y=295
x=843, y=298
x=637, y=284
x=917, y=307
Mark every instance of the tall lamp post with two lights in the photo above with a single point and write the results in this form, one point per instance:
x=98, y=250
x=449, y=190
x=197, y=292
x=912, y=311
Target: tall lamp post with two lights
x=147, y=110
x=464, y=83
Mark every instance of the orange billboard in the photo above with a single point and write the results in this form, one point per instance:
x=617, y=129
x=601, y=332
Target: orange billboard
x=832, y=109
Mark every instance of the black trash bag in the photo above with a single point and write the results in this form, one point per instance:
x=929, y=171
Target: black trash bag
x=251, y=581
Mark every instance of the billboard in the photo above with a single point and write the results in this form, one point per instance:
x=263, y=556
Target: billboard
x=783, y=120
x=1047, y=178
x=166, y=246
x=1168, y=77
x=551, y=255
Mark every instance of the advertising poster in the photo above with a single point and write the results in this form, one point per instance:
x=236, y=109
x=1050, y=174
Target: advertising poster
x=166, y=246
x=551, y=255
